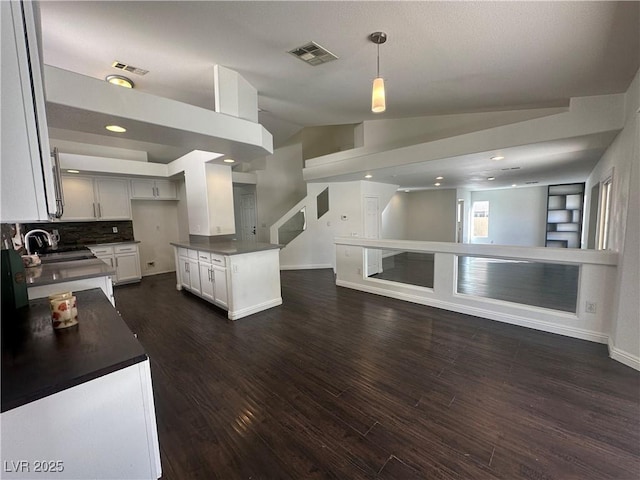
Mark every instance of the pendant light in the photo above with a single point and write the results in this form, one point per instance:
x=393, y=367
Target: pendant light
x=378, y=104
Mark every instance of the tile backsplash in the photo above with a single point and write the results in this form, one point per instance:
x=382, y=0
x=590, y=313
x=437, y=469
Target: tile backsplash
x=84, y=233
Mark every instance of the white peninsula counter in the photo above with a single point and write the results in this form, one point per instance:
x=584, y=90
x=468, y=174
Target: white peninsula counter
x=240, y=277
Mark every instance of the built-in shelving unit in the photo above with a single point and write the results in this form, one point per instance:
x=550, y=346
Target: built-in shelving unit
x=565, y=205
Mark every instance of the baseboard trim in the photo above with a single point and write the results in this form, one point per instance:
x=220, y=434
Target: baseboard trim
x=312, y=266
x=243, y=312
x=623, y=357
x=151, y=274
x=512, y=319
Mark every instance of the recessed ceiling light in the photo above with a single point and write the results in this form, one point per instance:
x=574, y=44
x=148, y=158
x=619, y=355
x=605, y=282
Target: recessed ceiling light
x=491, y=178
x=368, y=176
x=439, y=178
x=119, y=80
x=514, y=184
x=406, y=191
x=437, y=184
x=73, y=171
x=497, y=157
x=229, y=160
x=116, y=128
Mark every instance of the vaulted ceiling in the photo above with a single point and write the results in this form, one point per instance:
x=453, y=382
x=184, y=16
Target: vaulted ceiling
x=440, y=57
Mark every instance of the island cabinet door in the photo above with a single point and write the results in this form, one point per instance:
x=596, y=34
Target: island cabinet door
x=184, y=272
x=220, y=284
x=194, y=275
x=206, y=281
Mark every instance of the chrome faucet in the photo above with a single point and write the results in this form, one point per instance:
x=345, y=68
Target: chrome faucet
x=50, y=241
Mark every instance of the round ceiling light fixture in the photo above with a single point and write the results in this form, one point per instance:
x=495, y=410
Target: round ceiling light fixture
x=497, y=157
x=229, y=160
x=439, y=178
x=491, y=178
x=368, y=175
x=120, y=81
x=437, y=184
x=116, y=128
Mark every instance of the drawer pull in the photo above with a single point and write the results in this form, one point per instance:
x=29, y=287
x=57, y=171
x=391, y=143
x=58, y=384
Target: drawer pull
x=216, y=260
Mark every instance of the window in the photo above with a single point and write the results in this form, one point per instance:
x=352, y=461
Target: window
x=480, y=219
x=604, y=214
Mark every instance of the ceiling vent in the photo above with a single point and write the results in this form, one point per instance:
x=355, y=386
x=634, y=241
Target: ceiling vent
x=129, y=68
x=313, y=54
x=530, y=183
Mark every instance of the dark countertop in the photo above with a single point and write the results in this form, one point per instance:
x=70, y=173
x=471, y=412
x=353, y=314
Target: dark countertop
x=49, y=273
x=226, y=247
x=109, y=244
x=38, y=361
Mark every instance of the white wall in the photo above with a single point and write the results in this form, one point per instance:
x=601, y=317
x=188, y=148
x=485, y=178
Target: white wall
x=623, y=158
x=280, y=186
x=183, y=214
x=394, y=225
x=517, y=216
x=423, y=129
x=317, y=141
x=428, y=215
x=155, y=224
x=431, y=215
x=315, y=247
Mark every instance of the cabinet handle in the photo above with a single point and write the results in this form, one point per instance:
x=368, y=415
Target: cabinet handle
x=99, y=211
x=186, y=267
x=116, y=262
x=94, y=211
x=111, y=261
x=57, y=184
x=216, y=260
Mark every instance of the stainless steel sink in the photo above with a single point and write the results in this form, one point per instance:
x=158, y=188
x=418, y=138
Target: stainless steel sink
x=55, y=257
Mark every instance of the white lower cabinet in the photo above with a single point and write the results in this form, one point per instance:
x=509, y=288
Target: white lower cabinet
x=206, y=281
x=104, y=428
x=242, y=284
x=220, y=285
x=190, y=274
x=125, y=258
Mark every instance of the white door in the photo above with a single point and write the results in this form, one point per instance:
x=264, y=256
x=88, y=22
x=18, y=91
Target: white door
x=165, y=189
x=248, y=216
x=220, y=283
x=127, y=267
x=79, y=203
x=113, y=198
x=194, y=275
x=142, y=188
x=372, y=230
x=206, y=281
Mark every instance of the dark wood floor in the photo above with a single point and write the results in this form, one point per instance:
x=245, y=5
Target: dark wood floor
x=538, y=284
x=337, y=383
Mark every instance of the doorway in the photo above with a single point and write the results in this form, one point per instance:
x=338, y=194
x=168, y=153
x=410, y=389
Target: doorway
x=244, y=197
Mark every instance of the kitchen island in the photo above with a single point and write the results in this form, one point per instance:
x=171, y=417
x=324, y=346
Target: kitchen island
x=79, y=398
x=240, y=277
x=74, y=275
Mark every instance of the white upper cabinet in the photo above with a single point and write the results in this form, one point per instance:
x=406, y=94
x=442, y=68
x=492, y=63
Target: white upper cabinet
x=29, y=184
x=79, y=203
x=150, y=189
x=96, y=198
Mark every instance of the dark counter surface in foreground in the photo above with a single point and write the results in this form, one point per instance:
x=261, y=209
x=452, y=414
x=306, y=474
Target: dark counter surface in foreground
x=49, y=273
x=38, y=361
